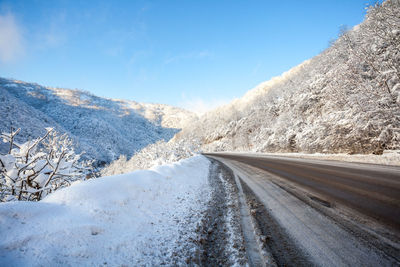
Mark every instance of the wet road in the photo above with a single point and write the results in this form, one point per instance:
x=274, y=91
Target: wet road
x=373, y=190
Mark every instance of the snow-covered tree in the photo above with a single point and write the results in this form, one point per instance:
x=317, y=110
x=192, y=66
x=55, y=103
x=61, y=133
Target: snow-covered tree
x=347, y=99
x=31, y=170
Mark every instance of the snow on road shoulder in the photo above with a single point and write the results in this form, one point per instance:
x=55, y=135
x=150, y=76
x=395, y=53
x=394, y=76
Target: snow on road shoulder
x=141, y=218
x=389, y=158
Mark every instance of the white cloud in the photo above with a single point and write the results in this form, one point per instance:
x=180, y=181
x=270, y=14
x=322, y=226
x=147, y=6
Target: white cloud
x=11, y=40
x=200, y=106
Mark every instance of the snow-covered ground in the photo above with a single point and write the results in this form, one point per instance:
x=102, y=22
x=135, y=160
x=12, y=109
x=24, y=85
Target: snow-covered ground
x=141, y=218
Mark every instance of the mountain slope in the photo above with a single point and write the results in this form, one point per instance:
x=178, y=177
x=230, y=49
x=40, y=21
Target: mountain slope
x=347, y=99
x=344, y=100
x=103, y=128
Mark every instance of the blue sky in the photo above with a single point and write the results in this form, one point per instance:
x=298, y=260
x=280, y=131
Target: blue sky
x=194, y=54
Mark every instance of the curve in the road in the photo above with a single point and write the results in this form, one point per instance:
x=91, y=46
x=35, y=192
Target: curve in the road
x=374, y=192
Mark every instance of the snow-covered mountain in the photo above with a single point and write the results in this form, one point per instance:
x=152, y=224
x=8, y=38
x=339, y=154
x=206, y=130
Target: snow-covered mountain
x=344, y=100
x=103, y=128
x=347, y=99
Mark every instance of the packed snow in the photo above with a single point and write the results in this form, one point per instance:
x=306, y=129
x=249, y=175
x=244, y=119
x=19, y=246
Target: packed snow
x=141, y=218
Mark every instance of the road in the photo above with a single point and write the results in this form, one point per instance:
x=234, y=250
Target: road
x=332, y=233
x=372, y=191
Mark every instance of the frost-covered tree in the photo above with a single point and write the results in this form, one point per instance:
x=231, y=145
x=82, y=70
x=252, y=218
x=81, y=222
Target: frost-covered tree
x=31, y=170
x=373, y=73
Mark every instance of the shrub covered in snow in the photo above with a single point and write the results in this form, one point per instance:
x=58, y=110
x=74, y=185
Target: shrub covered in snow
x=31, y=170
x=154, y=155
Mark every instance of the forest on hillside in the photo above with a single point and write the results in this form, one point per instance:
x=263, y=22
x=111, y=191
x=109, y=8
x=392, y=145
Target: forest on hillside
x=344, y=100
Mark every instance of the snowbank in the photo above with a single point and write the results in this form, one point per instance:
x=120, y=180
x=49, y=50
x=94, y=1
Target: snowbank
x=140, y=218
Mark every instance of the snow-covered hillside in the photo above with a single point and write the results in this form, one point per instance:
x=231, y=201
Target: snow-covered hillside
x=345, y=100
x=103, y=128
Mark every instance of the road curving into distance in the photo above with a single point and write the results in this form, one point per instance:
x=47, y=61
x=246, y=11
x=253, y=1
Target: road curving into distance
x=323, y=213
x=370, y=189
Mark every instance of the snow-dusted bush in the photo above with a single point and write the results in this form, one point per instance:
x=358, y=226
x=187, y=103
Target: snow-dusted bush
x=153, y=155
x=31, y=170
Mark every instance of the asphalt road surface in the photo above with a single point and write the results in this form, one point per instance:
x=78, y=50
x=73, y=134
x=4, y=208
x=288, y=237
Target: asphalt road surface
x=324, y=213
x=370, y=189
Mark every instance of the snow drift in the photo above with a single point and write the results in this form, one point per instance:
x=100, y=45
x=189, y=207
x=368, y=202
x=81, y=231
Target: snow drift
x=141, y=218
